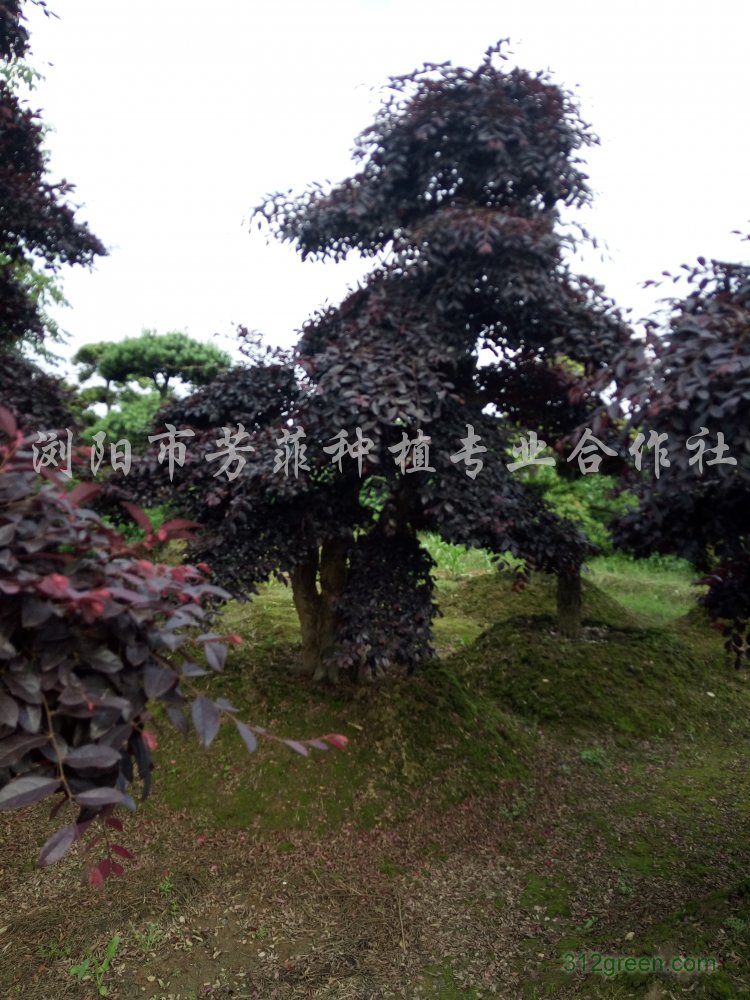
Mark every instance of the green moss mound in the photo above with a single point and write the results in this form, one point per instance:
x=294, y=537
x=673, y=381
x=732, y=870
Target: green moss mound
x=461, y=725
x=619, y=678
x=413, y=741
x=492, y=598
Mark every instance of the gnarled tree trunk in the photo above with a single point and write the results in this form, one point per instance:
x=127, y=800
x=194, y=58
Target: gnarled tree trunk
x=317, y=585
x=307, y=602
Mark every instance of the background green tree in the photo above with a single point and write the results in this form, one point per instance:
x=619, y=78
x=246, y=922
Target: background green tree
x=161, y=359
x=140, y=375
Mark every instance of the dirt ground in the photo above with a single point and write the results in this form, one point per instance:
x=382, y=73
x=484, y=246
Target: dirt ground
x=480, y=901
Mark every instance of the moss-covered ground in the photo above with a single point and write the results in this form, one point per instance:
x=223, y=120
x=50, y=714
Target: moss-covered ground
x=523, y=803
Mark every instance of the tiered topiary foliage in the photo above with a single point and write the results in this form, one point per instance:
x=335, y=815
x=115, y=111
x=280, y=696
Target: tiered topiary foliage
x=461, y=179
x=691, y=383
x=38, y=399
x=157, y=358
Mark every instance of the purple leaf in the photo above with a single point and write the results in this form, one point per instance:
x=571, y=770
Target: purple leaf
x=318, y=744
x=82, y=828
x=15, y=747
x=158, y=680
x=96, y=879
x=299, y=747
x=8, y=711
x=140, y=518
x=131, y=596
x=105, y=661
x=337, y=740
x=24, y=686
x=23, y=791
x=30, y=718
x=83, y=492
x=248, y=736
x=143, y=759
x=190, y=669
x=216, y=654
x=105, y=867
x=101, y=797
x=58, y=845
x=8, y=424
x=206, y=719
x=52, y=656
x=137, y=653
x=178, y=719
x=34, y=612
x=225, y=706
x=92, y=755
x=171, y=641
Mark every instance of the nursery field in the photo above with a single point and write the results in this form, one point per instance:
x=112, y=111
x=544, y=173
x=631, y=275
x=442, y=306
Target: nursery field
x=446, y=753
x=520, y=806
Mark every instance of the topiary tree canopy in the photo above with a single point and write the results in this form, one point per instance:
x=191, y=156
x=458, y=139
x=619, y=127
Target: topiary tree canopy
x=158, y=361
x=462, y=177
x=688, y=396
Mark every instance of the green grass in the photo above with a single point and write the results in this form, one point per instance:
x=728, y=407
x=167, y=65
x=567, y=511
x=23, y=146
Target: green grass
x=440, y=983
x=658, y=589
x=504, y=671
x=711, y=925
x=401, y=735
x=643, y=675
x=399, y=744
x=595, y=757
x=644, y=702
x=548, y=895
x=621, y=678
x=456, y=562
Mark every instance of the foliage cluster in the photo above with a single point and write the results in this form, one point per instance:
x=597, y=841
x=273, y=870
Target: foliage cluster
x=140, y=374
x=689, y=386
x=153, y=359
x=591, y=502
x=37, y=225
x=132, y=419
x=39, y=232
x=90, y=632
x=457, y=199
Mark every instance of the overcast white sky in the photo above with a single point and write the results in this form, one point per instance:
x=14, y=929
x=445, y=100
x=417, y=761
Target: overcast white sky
x=174, y=117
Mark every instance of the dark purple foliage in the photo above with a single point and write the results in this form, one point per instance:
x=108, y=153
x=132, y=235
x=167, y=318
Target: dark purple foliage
x=38, y=399
x=39, y=229
x=457, y=197
x=89, y=634
x=691, y=382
